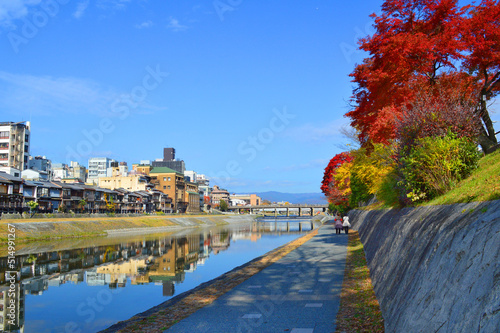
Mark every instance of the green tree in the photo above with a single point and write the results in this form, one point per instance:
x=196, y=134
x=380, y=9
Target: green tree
x=223, y=206
x=32, y=205
x=82, y=203
x=110, y=203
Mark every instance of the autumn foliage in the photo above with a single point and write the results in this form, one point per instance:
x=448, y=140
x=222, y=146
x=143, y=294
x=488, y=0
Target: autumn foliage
x=421, y=47
x=330, y=186
x=434, y=115
x=420, y=102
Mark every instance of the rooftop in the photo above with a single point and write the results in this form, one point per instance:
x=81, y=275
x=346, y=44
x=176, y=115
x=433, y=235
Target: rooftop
x=164, y=170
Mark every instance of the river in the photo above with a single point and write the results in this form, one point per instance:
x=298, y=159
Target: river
x=87, y=285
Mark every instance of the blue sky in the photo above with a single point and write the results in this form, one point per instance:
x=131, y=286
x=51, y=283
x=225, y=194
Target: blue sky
x=251, y=93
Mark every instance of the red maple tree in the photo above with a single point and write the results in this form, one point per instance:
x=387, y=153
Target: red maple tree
x=328, y=186
x=417, y=47
x=481, y=38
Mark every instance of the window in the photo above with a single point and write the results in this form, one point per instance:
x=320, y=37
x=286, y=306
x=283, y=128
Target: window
x=168, y=178
x=165, y=179
x=43, y=192
x=168, y=187
x=26, y=137
x=164, y=187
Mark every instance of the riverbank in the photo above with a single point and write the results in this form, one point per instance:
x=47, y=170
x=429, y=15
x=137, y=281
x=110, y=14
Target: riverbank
x=46, y=229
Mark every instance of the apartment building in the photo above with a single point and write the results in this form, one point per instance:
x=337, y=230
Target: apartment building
x=169, y=161
x=40, y=163
x=191, y=175
x=135, y=182
x=219, y=194
x=15, y=144
x=78, y=171
x=117, y=169
x=98, y=167
x=193, y=197
x=245, y=199
x=171, y=183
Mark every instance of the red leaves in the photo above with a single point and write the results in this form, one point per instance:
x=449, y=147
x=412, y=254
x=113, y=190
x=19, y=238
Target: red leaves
x=328, y=186
x=481, y=37
x=418, y=44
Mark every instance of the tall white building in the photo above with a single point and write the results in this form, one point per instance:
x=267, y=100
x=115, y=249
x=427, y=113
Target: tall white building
x=15, y=144
x=98, y=168
x=202, y=180
x=191, y=174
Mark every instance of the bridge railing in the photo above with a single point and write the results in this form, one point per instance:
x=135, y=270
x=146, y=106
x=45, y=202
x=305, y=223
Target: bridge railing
x=280, y=206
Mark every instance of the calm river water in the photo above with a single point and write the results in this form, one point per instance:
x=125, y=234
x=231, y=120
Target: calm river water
x=87, y=285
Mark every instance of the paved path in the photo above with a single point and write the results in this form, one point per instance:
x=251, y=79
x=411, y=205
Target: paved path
x=300, y=293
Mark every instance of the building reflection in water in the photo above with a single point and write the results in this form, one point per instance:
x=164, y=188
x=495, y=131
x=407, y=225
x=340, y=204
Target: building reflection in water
x=162, y=260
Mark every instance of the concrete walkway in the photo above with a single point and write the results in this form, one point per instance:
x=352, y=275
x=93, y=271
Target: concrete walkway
x=299, y=294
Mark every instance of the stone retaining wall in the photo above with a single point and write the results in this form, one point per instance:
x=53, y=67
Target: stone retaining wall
x=435, y=269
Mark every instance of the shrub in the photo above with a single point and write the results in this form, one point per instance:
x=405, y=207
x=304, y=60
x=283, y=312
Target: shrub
x=359, y=191
x=435, y=164
x=223, y=206
x=341, y=209
x=435, y=113
x=390, y=191
x=369, y=171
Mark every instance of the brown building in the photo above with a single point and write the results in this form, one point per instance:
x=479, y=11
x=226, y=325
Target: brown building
x=193, y=196
x=140, y=168
x=171, y=183
x=219, y=194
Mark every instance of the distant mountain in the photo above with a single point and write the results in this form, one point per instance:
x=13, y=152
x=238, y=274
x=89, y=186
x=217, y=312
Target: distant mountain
x=296, y=198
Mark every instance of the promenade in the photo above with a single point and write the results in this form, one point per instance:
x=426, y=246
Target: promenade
x=300, y=293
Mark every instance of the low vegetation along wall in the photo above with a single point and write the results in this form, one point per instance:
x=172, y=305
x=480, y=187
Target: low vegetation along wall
x=435, y=269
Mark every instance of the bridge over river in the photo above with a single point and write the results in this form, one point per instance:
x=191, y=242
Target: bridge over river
x=301, y=209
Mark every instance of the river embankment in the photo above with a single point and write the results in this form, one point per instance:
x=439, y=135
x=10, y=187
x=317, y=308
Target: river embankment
x=46, y=229
x=435, y=268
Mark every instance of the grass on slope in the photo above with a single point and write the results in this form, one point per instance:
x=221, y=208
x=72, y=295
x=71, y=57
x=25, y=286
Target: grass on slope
x=482, y=185
x=359, y=309
x=39, y=229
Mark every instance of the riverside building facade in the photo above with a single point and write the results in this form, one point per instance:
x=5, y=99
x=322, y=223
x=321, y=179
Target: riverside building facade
x=15, y=144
